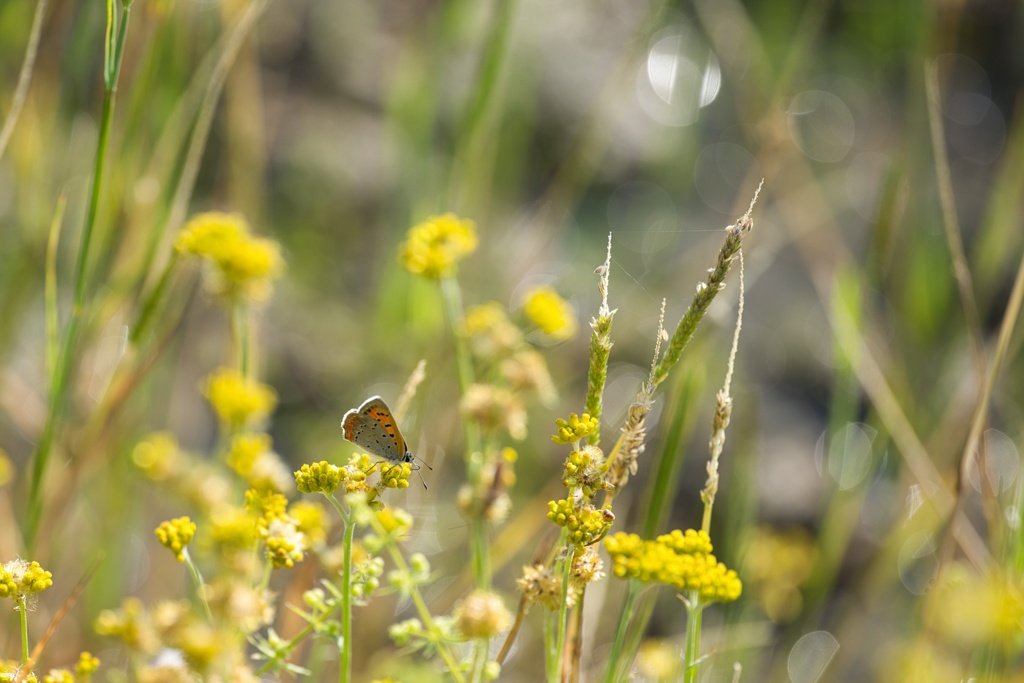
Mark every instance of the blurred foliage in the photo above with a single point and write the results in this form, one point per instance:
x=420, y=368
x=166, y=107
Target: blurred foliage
x=551, y=124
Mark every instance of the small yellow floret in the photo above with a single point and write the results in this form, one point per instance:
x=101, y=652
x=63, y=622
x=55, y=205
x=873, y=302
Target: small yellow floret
x=682, y=560
x=158, y=456
x=175, y=535
x=238, y=400
x=396, y=476
x=319, y=477
x=435, y=246
x=550, y=312
x=19, y=579
x=585, y=524
x=245, y=449
x=243, y=266
x=575, y=428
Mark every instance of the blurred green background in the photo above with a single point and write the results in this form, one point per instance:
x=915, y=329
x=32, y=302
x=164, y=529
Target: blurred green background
x=551, y=123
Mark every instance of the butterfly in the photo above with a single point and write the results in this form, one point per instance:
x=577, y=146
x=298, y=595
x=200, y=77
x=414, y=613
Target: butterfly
x=372, y=427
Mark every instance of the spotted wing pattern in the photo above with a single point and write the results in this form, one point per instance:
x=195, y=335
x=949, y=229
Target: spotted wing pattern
x=372, y=427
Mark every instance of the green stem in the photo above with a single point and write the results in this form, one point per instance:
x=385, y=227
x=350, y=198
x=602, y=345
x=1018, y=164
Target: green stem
x=153, y=301
x=345, y=675
x=52, y=313
x=463, y=362
x=550, y=649
x=563, y=609
x=474, y=453
x=200, y=585
x=23, y=616
x=614, y=663
x=62, y=371
x=240, y=322
x=693, y=618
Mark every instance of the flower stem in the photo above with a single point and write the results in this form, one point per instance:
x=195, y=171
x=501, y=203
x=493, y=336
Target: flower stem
x=23, y=616
x=197, y=579
x=240, y=322
x=611, y=674
x=345, y=673
x=694, y=609
x=563, y=609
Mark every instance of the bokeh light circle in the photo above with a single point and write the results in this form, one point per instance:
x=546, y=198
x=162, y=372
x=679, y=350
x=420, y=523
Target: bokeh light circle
x=918, y=564
x=1002, y=462
x=821, y=125
x=810, y=656
x=847, y=456
x=680, y=76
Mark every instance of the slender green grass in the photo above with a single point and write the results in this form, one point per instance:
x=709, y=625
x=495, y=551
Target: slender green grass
x=117, y=32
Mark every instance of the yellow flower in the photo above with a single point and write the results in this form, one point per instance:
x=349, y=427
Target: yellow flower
x=435, y=246
x=396, y=476
x=585, y=523
x=232, y=527
x=158, y=456
x=87, y=665
x=489, y=330
x=19, y=579
x=681, y=560
x=245, y=448
x=575, y=428
x=285, y=543
x=550, y=312
x=238, y=400
x=10, y=668
x=242, y=266
x=978, y=608
x=175, y=535
x=311, y=519
x=319, y=477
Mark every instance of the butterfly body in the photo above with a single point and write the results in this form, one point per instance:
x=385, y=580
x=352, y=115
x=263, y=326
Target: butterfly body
x=373, y=428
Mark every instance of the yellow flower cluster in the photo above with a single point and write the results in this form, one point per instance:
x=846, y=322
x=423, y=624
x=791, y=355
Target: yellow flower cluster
x=550, y=312
x=977, y=608
x=175, y=534
x=285, y=544
x=242, y=266
x=435, y=246
x=238, y=400
x=245, y=449
x=490, y=331
x=585, y=524
x=319, y=477
x=311, y=519
x=396, y=476
x=775, y=565
x=19, y=579
x=87, y=665
x=10, y=668
x=682, y=560
x=575, y=428
x=584, y=471
x=158, y=456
